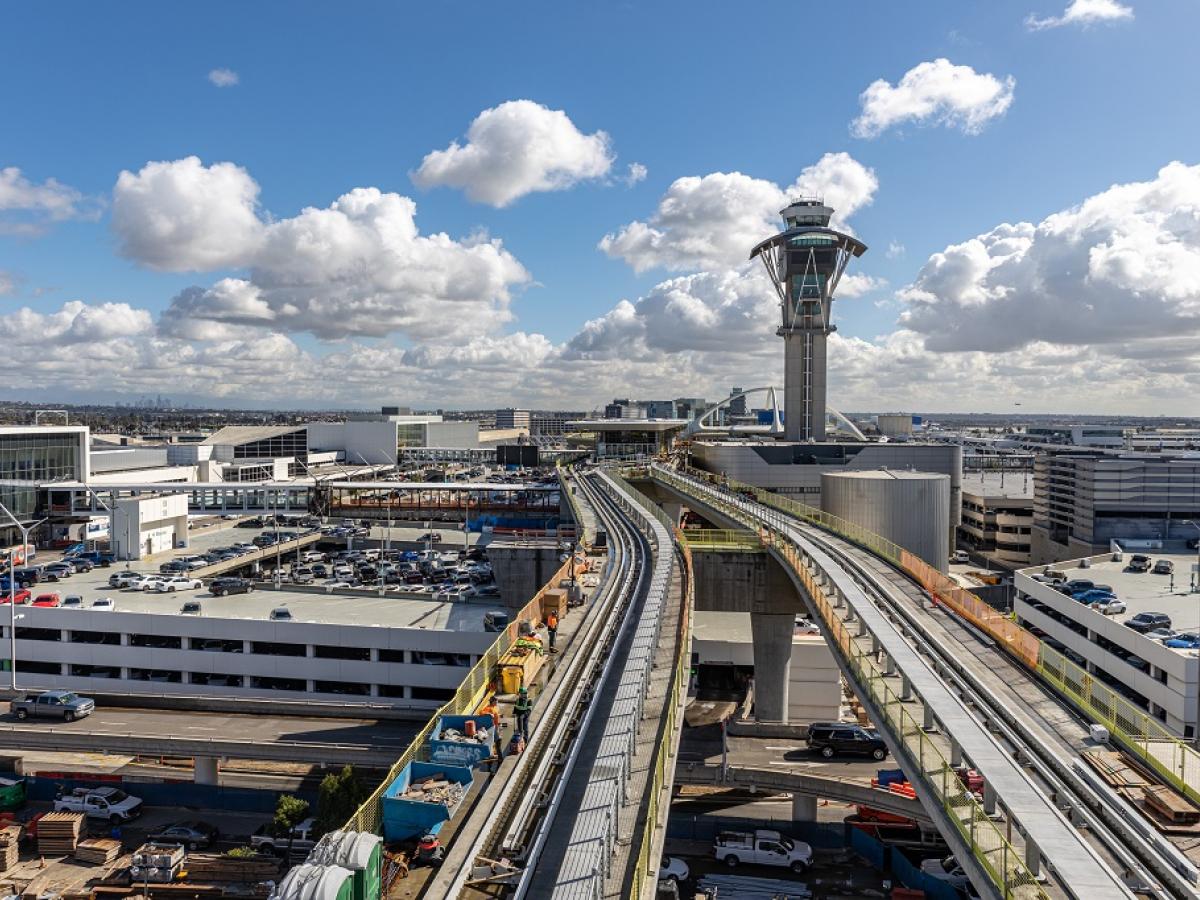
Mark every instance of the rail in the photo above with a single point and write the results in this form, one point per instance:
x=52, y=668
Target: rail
x=1002, y=862
x=645, y=872
x=369, y=816
x=1175, y=761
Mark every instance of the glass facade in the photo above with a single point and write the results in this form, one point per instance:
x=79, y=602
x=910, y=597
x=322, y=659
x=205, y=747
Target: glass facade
x=35, y=458
x=293, y=443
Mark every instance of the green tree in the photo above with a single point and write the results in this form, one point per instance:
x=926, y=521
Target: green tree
x=289, y=812
x=338, y=798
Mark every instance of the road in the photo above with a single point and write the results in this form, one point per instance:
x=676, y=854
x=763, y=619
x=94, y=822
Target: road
x=231, y=735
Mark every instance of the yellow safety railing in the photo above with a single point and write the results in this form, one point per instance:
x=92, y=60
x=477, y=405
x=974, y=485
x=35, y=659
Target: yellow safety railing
x=1175, y=761
x=1002, y=862
x=645, y=872
x=466, y=699
x=721, y=539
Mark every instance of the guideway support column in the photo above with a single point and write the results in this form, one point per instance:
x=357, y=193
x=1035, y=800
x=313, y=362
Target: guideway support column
x=804, y=808
x=772, y=637
x=205, y=770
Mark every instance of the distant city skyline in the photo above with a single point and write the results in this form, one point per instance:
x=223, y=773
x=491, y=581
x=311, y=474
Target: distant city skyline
x=335, y=208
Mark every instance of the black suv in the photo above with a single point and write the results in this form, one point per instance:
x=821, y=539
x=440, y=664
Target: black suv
x=1148, y=621
x=833, y=738
x=219, y=587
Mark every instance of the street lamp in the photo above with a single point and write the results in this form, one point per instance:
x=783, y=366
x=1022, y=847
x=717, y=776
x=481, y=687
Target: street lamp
x=1196, y=572
x=12, y=592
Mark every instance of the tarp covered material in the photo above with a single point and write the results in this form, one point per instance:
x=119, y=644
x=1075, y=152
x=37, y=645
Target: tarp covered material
x=351, y=849
x=313, y=882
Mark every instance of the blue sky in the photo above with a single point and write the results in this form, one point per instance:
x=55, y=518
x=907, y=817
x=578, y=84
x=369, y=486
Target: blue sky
x=335, y=97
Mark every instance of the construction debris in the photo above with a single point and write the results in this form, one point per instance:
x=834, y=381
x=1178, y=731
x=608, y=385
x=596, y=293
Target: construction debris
x=58, y=833
x=481, y=736
x=98, y=852
x=435, y=789
x=1170, y=812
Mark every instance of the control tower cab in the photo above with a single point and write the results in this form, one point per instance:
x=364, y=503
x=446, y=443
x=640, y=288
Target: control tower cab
x=805, y=263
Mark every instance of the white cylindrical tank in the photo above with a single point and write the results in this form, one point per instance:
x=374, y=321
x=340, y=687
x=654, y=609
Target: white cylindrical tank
x=911, y=509
x=895, y=425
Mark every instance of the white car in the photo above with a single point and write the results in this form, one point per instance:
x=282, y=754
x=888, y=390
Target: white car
x=147, y=582
x=947, y=870
x=171, y=585
x=672, y=868
x=313, y=556
x=124, y=579
x=72, y=601
x=1110, y=607
x=104, y=604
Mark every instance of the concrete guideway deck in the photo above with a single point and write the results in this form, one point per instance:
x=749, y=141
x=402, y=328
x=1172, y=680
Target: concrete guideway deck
x=1079, y=871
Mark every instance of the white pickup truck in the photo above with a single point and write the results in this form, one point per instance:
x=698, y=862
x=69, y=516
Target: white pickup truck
x=266, y=840
x=106, y=803
x=766, y=848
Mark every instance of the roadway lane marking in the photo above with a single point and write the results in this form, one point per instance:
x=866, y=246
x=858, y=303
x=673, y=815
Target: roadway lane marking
x=777, y=747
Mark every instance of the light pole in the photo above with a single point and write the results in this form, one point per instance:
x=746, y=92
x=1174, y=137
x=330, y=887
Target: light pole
x=1196, y=573
x=12, y=593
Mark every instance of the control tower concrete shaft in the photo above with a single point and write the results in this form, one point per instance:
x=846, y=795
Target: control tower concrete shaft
x=805, y=262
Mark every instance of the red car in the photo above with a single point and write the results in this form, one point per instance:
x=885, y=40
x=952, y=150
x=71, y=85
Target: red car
x=50, y=599
x=21, y=596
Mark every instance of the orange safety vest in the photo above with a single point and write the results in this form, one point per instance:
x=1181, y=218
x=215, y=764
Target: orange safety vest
x=552, y=621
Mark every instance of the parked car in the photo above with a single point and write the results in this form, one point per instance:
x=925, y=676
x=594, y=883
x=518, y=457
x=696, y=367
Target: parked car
x=1076, y=586
x=1093, y=596
x=104, y=604
x=57, y=571
x=219, y=587
x=766, y=848
x=947, y=870
x=1148, y=621
x=833, y=738
x=672, y=868
x=1109, y=607
x=280, y=614
x=1139, y=562
x=1162, y=634
x=960, y=556
x=96, y=558
x=1164, y=567
x=48, y=599
x=72, y=601
x=65, y=705
x=124, y=579
x=1187, y=640
x=191, y=608
x=192, y=835
x=19, y=596
x=271, y=839
x=178, y=583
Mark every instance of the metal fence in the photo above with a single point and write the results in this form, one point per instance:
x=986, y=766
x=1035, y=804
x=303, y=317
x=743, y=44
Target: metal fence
x=1002, y=862
x=466, y=699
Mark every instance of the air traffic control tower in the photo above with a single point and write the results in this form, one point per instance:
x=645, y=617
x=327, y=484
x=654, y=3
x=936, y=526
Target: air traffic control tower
x=805, y=262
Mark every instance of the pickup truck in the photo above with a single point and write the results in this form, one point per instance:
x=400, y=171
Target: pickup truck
x=105, y=803
x=266, y=840
x=64, y=705
x=766, y=848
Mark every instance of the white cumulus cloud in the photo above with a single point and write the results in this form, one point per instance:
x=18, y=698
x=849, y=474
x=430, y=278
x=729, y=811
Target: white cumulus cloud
x=223, y=78
x=517, y=148
x=1117, y=271
x=934, y=93
x=1082, y=12
x=28, y=207
x=357, y=267
x=713, y=221
x=182, y=215
x=635, y=173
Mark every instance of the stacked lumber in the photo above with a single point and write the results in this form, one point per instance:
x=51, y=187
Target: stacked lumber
x=10, y=849
x=217, y=867
x=98, y=852
x=58, y=833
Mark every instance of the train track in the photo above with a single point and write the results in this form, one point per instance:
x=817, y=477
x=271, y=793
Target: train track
x=510, y=844
x=1006, y=699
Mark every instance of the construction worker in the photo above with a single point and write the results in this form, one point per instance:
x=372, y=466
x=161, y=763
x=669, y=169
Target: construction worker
x=521, y=710
x=552, y=627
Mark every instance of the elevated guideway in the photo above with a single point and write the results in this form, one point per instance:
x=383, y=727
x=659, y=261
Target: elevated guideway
x=583, y=812
x=931, y=722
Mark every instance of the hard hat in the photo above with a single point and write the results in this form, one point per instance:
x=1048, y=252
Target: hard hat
x=522, y=690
